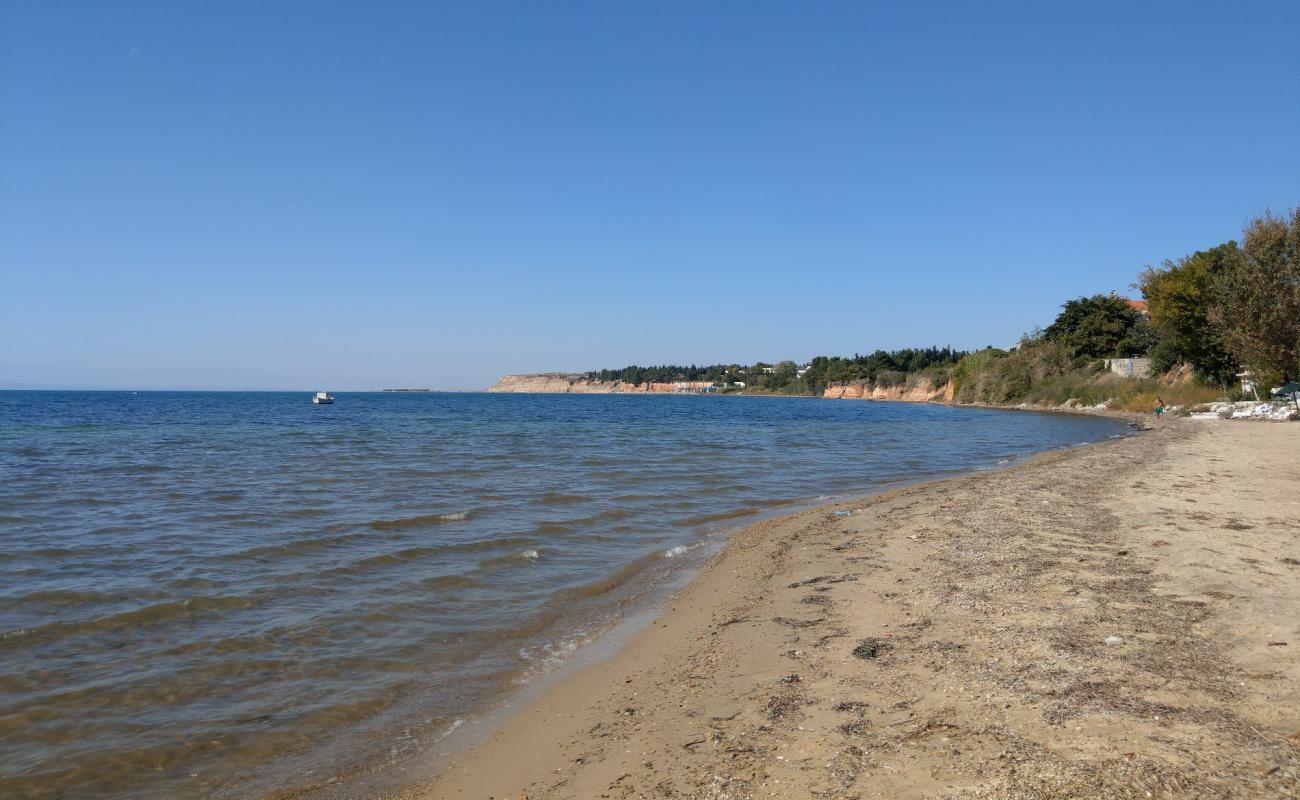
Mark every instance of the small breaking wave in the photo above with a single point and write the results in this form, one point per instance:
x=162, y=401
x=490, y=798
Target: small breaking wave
x=551, y=528
x=136, y=618
x=450, y=729
x=144, y=469
x=448, y=582
x=409, y=554
x=721, y=516
x=420, y=521
x=295, y=547
x=510, y=559
x=681, y=550
x=550, y=655
x=67, y=598
x=562, y=499
x=603, y=517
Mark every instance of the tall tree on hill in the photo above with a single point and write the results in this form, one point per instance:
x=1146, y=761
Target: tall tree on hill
x=1179, y=298
x=1101, y=326
x=1258, y=298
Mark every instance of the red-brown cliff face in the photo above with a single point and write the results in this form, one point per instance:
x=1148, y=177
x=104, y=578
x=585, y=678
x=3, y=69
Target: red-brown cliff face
x=922, y=391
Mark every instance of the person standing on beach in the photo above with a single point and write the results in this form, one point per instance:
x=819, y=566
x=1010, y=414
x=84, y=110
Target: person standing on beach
x=1160, y=411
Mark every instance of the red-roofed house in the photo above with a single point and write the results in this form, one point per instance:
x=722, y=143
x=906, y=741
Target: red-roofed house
x=1139, y=306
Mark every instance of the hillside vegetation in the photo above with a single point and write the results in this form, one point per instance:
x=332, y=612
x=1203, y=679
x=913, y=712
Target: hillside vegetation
x=787, y=377
x=1208, y=316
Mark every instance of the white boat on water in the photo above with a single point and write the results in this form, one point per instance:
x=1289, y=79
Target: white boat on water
x=323, y=399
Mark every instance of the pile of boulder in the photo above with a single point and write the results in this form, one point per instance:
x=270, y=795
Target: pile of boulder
x=1076, y=404
x=1278, y=410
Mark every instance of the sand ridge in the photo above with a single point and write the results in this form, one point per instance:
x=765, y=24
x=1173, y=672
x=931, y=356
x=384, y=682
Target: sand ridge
x=1120, y=620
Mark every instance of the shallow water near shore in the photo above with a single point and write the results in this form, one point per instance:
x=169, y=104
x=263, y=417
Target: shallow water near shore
x=232, y=594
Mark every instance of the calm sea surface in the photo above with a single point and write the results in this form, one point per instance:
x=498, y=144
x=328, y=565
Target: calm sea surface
x=229, y=594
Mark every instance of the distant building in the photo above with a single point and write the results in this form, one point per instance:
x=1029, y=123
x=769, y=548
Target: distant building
x=1139, y=306
x=1130, y=367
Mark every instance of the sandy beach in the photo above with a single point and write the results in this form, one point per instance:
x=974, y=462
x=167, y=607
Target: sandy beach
x=1120, y=620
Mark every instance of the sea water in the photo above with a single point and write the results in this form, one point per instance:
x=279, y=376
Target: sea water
x=231, y=594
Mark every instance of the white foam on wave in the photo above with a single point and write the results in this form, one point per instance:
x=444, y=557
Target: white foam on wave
x=450, y=729
x=547, y=656
x=531, y=555
x=679, y=550
x=454, y=517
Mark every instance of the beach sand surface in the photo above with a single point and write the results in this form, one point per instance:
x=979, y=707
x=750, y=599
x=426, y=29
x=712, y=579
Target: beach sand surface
x=1120, y=620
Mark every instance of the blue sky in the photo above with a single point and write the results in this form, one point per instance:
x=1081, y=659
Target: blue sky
x=303, y=195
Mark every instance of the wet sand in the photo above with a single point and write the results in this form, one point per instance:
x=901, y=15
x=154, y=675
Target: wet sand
x=1121, y=620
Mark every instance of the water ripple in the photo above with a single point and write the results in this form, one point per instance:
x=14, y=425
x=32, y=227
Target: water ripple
x=234, y=585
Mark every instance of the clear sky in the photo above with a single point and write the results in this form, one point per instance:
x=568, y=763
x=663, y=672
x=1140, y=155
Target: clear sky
x=360, y=195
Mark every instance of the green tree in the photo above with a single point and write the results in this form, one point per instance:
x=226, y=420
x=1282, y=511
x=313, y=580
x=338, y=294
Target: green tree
x=785, y=372
x=1257, y=305
x=1179, y=298
x=1101, y=326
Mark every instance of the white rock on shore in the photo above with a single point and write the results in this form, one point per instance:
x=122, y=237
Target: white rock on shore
x=1275, y=410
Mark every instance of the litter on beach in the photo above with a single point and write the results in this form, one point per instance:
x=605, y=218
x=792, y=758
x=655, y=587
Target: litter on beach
x=845, y=513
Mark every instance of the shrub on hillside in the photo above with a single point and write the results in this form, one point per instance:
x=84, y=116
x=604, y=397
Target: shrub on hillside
x=889, y=378
x=996, y=376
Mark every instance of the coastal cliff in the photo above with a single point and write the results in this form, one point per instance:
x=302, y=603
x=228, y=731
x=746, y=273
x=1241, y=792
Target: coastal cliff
x=560, y=383
x=922, y=392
